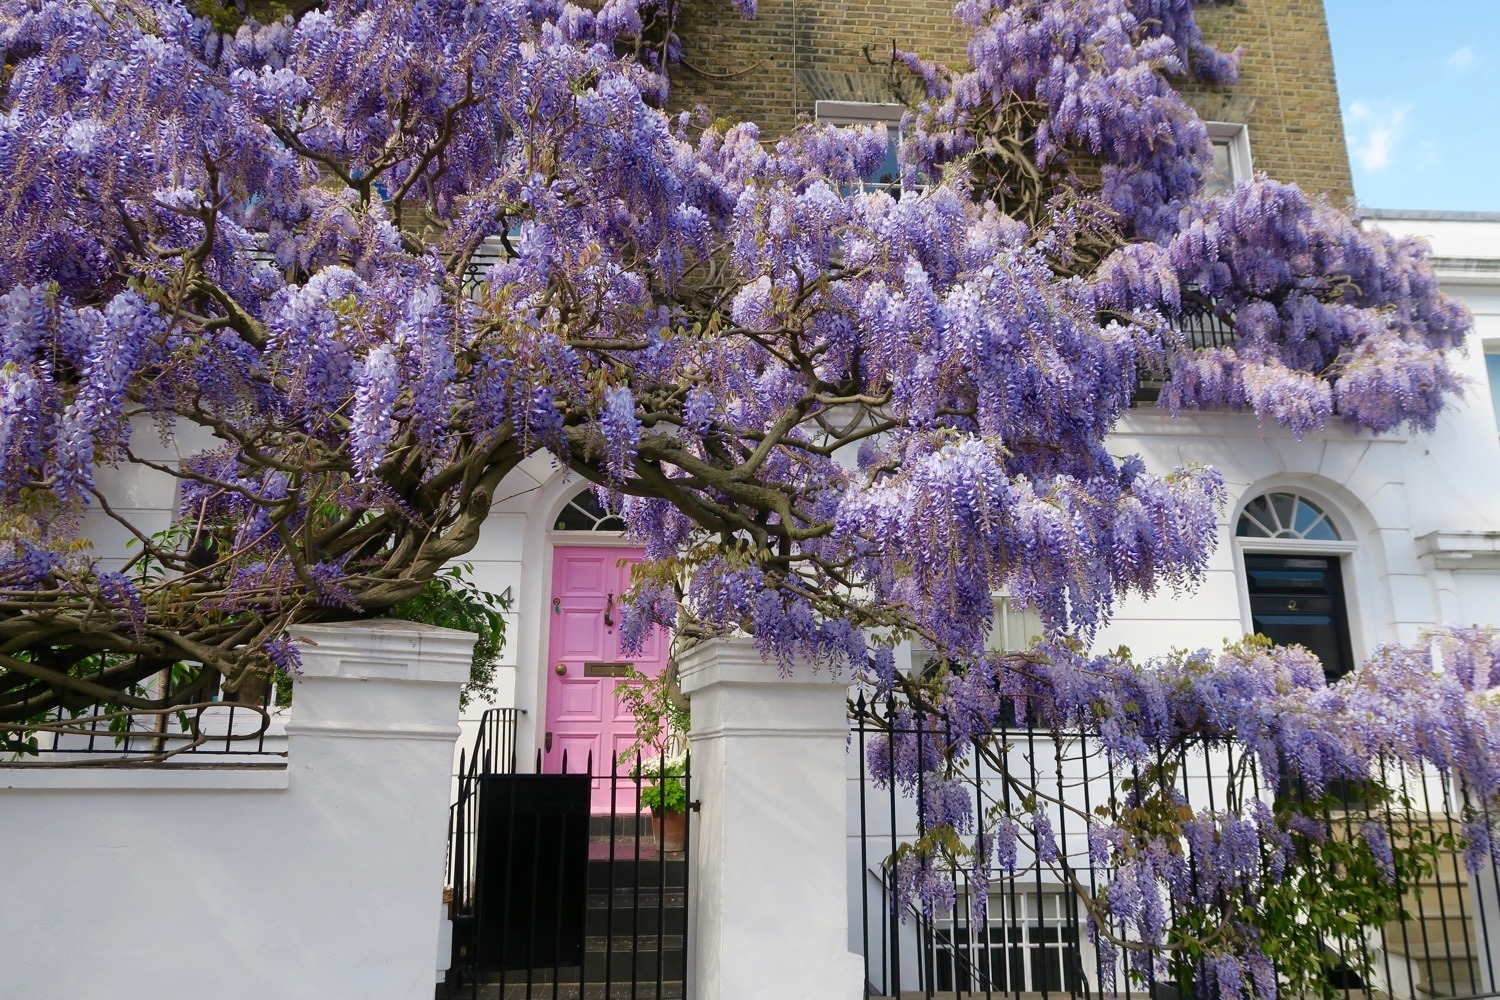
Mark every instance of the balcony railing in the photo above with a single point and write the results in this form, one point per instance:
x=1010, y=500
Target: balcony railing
x=1199, y=327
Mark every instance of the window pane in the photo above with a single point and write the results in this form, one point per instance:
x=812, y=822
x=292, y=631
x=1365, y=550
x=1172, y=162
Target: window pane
x=585, y=513
x=920, y=658
x=1492, y=366
x=1307, y=515
x=1321, y=531
x=1221, y=175
x=1285, y=506
x=1311, y=523
x=1014, y=627
x=1046, y=969
x=1285, y=515
x=889, y=171
x=1256, y=521
x=575, y=518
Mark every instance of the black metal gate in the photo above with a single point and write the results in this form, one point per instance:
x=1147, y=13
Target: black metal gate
x=552, y=899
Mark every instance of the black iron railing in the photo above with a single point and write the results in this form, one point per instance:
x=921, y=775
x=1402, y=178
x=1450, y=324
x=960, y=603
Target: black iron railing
x=197, y=721
x=1195, y=328
x=1033, y=936
x=494, y=749
x=1200, y=326
x=561, y=884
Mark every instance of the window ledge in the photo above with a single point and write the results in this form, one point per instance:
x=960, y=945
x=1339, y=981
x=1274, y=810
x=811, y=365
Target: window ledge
x=1148, y=421
x=1460, y=550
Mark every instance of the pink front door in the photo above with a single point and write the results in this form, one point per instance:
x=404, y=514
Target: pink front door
x=585, y=719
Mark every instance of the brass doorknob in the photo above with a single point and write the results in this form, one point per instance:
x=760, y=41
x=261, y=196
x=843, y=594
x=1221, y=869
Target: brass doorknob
x=561, y=668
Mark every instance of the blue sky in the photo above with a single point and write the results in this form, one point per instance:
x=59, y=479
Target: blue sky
x=1420, y=88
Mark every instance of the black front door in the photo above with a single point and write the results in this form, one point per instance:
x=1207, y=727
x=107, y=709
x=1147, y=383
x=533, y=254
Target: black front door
x=1300, y=599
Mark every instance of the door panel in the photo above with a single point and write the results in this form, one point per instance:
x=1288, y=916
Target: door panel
x=575, y=753
x=1300, y=599
x=578, y=703
x=584, y=715
x=582, y=638
x=585, y=571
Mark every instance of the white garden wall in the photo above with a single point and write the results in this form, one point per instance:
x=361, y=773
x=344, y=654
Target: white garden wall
x=321, y=879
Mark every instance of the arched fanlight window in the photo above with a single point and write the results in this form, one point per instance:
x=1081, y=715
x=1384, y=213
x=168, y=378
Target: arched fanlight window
x=1286, y=515
x=585, y=513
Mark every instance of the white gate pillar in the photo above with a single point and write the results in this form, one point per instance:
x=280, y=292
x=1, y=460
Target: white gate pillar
x=770, y=881
x=374, y=720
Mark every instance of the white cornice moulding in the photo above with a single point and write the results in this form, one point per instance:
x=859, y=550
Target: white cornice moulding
x=1150, y=421
x=1467, y=270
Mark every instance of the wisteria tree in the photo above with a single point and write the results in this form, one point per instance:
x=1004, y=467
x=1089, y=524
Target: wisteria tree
x=837, y=418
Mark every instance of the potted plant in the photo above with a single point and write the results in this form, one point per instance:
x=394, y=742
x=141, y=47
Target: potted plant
x=658, y=757
x=664, y=792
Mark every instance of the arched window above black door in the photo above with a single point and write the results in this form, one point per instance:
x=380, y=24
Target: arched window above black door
x=1296, y=591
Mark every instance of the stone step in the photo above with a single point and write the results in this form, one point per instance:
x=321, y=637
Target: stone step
x=628, y=913
x=628, y=943
x=1430, y=937
x=1442, y=977
x=670, y=990
x=1433, y=900
x=638, y=965
x=1448, y=869
x=620, y=966
x=626, y=897
x=625, y=872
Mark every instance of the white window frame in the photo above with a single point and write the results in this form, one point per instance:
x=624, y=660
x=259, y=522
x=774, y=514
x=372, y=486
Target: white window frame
x=1491, y=349
x=858, y=113
x=1010, y=621
x=592, y=534
x=1236, y=137
x=1003, y=636
x=848, y=113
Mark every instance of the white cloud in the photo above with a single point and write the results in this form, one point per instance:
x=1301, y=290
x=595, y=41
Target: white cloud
x=1463, y=59
x=1375, y=131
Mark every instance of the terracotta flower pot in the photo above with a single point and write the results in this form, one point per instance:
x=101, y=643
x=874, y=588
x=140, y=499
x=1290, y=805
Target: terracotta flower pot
x=669, y=827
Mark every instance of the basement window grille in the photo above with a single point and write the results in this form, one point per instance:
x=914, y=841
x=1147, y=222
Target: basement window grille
x=1027, y=943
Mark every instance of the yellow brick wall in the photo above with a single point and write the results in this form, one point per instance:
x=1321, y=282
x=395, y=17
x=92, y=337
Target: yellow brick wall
x=1286, y=94
x=752, y=70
